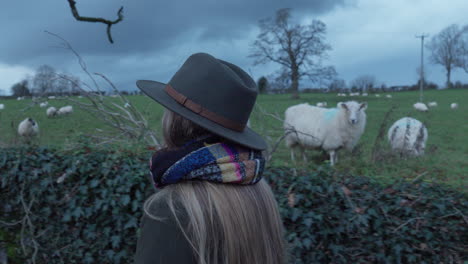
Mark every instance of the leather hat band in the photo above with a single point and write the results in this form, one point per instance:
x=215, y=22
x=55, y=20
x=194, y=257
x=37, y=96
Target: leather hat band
x=200, y=110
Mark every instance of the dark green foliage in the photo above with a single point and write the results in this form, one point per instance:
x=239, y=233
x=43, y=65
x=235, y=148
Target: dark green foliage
x=262, y=84
x=355, y=220
x=21, y=89
x=92, y=216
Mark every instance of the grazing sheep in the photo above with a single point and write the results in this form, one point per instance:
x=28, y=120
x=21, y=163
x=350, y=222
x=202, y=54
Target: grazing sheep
x=321, y=104
x=420, y=107
x=20, y=98
x=65, y=110
x=51, y=111
x=377, y=95
x=432, y=104
x=51, y=97
x=365, y=94
x=454, y=105
x=2, y=106
x=43, y=104
x=28, y=128
x=388, y=96
x=330, y=129
x=408, y=136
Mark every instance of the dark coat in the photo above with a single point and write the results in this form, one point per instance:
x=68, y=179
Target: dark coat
x=162, y=242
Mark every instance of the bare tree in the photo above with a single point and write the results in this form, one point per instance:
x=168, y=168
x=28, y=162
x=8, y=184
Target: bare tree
x=463, y=62
x=44, y=80
x=447, y=49
x=299, y=49
x=337, y=85
x=21, y=89
x=364, y=83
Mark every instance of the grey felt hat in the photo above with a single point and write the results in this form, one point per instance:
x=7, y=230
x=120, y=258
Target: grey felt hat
x=212, y=93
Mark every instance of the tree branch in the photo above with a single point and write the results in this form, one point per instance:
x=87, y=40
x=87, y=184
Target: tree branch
x=109, y=23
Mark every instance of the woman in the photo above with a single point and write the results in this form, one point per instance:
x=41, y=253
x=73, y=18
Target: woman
x=212, y=205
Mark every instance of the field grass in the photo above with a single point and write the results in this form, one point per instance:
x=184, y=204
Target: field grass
x=446, y=159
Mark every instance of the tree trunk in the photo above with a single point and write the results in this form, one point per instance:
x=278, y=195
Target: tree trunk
x=449, y=84
x=295, y=83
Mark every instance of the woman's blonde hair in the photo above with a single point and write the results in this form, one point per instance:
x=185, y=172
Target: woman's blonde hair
x=229, y=224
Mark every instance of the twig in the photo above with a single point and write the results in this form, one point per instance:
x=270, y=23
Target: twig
x=127, y=120
x=376, y=149
x=458, y=211
x=11, y=224
x=418, y=177
x=109, y=23
x=27, y=220
x=405, y=223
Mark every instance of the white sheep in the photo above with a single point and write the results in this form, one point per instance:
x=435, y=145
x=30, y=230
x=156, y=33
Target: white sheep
x=2, y=106
x=421, y=107
x=51, y=111
x=454, y=105
x=321, y=104
x=309, y=127
x=65, y=110
x=388, y=96
x=51, y=97
x=408, y=136
x=377, y=95
x=432, y=104
x=365, y=94
x=43, y=104
x=28, y=128
x=20, y=98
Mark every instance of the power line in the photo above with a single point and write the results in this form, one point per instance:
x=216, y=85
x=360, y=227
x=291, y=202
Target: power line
x=421, y=78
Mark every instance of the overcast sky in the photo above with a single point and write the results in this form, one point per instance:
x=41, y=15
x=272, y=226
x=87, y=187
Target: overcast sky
x=375, y=37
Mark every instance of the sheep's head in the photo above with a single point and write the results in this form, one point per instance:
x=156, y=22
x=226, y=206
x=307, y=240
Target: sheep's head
x=31, y=121
x=353, y=110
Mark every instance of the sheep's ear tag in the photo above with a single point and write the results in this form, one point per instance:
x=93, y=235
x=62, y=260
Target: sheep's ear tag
x=363, y=106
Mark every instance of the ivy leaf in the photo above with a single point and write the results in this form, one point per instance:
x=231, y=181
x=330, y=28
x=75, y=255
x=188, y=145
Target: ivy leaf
x=115, y=240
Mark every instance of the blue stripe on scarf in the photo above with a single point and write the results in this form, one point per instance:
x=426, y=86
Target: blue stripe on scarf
x=189, y=163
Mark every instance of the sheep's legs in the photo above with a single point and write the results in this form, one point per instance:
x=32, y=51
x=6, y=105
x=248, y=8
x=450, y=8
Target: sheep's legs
x=292, y=155
x=304, y=156
x=333, y=157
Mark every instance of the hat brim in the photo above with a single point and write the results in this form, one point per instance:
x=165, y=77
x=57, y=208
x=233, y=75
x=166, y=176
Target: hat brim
x=247, y=137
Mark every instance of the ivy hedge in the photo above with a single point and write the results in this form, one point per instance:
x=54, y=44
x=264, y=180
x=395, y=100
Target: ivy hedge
x=84, y=207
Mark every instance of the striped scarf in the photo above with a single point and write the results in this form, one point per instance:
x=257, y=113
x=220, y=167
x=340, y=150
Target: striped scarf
x=208, y=160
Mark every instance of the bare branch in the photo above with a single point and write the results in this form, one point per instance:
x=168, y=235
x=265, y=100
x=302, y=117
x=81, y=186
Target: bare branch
x=124, y=118
x=109, y=23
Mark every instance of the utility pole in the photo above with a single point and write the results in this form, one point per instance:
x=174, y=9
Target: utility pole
x=421, y=78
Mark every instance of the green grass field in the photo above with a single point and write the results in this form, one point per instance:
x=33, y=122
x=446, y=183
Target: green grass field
x=446, y=159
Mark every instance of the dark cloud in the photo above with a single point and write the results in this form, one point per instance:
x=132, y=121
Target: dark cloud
x=148, y=26
x=154, y=38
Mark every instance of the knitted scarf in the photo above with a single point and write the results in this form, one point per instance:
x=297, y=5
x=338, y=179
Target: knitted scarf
x=208, y=159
